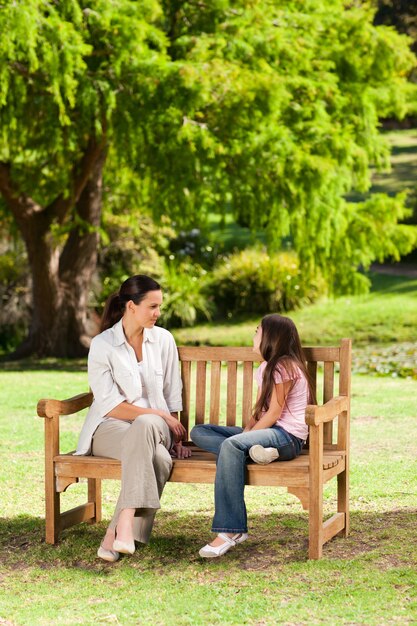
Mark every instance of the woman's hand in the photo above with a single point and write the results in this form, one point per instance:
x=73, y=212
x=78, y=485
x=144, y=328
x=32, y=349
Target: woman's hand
x=180, y=452
x=174, y=426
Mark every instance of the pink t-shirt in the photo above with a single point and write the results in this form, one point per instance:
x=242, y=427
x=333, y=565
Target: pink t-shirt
x=293, y=414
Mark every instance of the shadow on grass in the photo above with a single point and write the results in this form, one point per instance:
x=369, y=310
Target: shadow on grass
x=46, y=364
x=384, y=539
x=392, y=284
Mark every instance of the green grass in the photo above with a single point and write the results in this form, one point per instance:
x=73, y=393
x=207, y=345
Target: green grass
x=368, y=578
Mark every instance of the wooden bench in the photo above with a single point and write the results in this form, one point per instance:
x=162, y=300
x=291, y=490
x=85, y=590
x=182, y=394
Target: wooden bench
x=207, y=400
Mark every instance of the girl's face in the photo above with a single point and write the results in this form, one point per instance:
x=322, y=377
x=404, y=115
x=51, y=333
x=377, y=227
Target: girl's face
x=257, y=339
x=146, y=313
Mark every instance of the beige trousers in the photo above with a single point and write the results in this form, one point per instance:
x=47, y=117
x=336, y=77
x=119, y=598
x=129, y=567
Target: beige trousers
x=142, y=446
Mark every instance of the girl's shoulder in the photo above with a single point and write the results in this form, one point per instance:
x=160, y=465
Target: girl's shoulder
x=287, y=369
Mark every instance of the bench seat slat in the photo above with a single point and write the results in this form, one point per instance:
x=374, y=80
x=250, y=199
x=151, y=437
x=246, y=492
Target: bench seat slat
x=201, y=468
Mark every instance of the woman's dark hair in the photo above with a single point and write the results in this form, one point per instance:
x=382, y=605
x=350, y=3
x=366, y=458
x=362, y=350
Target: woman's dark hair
x=280, y=347
x=134, y=288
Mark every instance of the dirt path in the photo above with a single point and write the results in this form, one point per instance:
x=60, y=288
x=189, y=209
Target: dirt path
x=396, y=269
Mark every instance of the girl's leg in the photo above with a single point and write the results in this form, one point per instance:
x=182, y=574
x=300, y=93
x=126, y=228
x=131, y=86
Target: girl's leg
x=230, y=510
x=210, y=437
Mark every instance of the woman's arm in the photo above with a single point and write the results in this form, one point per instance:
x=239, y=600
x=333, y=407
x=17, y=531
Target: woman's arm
x=129, y=412
x=276, y=405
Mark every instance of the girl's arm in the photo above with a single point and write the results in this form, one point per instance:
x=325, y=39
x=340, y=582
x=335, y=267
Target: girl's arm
x=276, y=405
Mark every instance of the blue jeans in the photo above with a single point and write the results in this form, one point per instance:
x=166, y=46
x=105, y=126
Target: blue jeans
x=231, y=445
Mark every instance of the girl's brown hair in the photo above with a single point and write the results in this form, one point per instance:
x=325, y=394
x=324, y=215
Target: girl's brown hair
x=134, y=288
x=280, y=346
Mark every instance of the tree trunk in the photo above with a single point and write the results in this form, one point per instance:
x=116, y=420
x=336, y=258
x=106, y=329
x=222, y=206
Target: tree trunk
x=61, y=278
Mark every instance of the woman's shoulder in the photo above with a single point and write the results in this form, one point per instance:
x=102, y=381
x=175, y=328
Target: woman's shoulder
x=161, y=334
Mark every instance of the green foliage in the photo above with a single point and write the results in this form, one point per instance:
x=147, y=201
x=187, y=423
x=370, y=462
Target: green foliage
x=252, y=281
x=268, y=111
x=185, y=295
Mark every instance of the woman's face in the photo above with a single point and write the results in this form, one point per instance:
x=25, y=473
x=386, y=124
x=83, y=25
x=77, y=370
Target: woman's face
x=146, y=313
x=257, y=339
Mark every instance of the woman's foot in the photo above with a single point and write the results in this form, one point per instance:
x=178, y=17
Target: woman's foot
x=262, y=455
x=105, y=550
x=124, y=541
x=221, y=544
x=108, y=555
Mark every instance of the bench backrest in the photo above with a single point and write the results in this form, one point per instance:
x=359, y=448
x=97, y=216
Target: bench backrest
x=207, y=400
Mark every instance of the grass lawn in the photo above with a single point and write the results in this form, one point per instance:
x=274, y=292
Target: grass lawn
x=368, y=578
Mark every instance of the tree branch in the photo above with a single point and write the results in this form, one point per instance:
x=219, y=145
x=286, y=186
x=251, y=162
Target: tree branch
x=22, y=206
x=81, y=173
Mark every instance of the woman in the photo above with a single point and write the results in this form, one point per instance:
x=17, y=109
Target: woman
x=134, y=376
x=276, y=431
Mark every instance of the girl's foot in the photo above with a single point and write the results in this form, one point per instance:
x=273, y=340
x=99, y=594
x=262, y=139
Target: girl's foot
x=262, y=455
x=222, y=543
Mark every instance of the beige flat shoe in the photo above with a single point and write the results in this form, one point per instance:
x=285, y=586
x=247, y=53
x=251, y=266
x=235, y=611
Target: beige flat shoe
x=108, y=555
x=124, y=547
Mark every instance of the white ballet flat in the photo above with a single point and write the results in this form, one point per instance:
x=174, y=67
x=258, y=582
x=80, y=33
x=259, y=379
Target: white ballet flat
x=262, y=455
x=211, y=552
x=108, y=555
x=124, y=547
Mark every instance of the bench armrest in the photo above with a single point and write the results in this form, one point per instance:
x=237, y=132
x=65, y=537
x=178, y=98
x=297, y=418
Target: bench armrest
x=54, y=408
x=316, y=415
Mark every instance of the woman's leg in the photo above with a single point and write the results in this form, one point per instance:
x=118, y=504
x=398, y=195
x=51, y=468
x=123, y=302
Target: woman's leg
x=142, y=446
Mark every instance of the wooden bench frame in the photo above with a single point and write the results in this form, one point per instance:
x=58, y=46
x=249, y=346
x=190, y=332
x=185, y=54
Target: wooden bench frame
x=304, y=477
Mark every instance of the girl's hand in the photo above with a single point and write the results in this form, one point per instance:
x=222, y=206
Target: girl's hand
x=174, y=426
x=180, y=452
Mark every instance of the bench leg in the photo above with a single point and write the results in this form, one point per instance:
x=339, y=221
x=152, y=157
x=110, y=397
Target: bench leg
x=94, y=495
x=315, y=521
x=343, y=499
x=52, y=498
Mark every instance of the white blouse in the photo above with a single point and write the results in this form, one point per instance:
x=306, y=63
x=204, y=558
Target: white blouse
x=113, y=376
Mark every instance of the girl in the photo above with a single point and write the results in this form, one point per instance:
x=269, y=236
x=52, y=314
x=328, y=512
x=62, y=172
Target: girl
x=134, y=375
x=276, y=431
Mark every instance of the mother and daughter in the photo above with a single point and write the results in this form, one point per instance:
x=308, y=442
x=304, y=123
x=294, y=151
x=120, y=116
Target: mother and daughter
x=133, y=372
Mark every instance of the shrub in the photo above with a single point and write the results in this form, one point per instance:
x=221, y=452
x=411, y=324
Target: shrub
x=185, y=296
x=252, y=281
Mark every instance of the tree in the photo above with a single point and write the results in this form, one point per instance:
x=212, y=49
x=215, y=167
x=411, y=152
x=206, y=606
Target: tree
x=268, y=110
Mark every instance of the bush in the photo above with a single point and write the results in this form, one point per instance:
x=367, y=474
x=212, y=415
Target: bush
x=185, y=296
x=252, y=281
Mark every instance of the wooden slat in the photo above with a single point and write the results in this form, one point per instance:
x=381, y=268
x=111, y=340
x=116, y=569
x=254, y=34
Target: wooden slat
x=328, y=381
x=200, y=392
x=328, y=393
x=211, y=353
x=215, y=379
x=333, y=526
x=345, y=367
x=247, y=392
x=319, y=354
x=82, y=513
x=201, y=468
x=312, y=370
x=186, y=390
x=231, y=393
